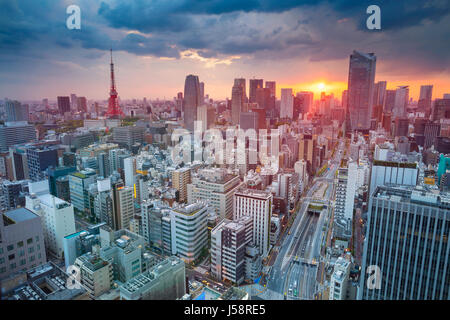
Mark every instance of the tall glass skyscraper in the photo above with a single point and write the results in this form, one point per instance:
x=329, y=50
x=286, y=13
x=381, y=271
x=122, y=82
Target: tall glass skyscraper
x=192, y=100
x=237, y=100
x=407, y=239
x=361, y=78
x=254, y=84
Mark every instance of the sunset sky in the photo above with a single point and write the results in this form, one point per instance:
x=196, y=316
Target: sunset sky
x=304, y=45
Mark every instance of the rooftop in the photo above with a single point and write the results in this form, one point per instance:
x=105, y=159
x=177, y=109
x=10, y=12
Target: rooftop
x=20, y=214
x=421, y=195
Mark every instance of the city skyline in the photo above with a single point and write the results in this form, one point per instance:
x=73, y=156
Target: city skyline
x=153, y=57
x=224, y=151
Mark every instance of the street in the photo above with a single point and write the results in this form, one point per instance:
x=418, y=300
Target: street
x=296, y=264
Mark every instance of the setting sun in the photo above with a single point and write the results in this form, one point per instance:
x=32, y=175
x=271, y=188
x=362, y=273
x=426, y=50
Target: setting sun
x=321, y=86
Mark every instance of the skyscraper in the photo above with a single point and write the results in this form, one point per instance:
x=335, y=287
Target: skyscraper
x=287, y=104
x=390, y=101
x=272, y=85
x=379, y=95
x=426, y=94
x=82, y=104
x=306, y=101
x=258, y=205
x=192, y=100
x=407, y=239
x=202, y=92
x=237, y=100
x=63, y=105
x=401, y=102
x=254, y=84
x=241, y=82
x=360, y=89
x=15, y=111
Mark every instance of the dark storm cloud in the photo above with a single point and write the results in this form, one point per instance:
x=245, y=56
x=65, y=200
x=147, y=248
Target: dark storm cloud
x=414, y=31
x=153, y=15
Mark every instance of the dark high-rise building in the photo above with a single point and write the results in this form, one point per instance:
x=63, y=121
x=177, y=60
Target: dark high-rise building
x=390, y=101
x=401, y=127
x=379, y=94
x=202, y=92
x=241, y=82
x=254, y=84
x=261, y=117
x=401, y=101
x=12, y=193
x=272, y=85
x=443, y=145
x=69, y=159
x=266, y=101
x=407, y=243
x=386, y=122
x=237, y=100
x=360, y=89
x=179, y=101
x=54, y=174
x=419, y=125
x=441, y=109
x=82, y=104
x=39, y=159
x=426, y=94
x=103, y=165
x=306, y=99
x=63, y=105
x=192, y=100
x=431, y=133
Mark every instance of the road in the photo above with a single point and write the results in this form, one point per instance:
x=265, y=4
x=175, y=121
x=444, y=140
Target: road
x=295, y=266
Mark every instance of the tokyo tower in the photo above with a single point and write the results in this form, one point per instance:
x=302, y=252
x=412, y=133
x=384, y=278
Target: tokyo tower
x=114, y=111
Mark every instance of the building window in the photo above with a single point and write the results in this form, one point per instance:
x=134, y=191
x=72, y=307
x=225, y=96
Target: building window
x=11, y=257
x=10, y=247
x=20, y=244
x=30, y=241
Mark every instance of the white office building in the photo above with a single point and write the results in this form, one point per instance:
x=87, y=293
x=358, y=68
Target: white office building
x=58, y=219
x=189, y=231
x=340, y=279
x=216, y=187
x=258, y=205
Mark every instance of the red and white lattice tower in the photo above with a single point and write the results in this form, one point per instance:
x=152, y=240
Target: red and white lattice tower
x=114, y=111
